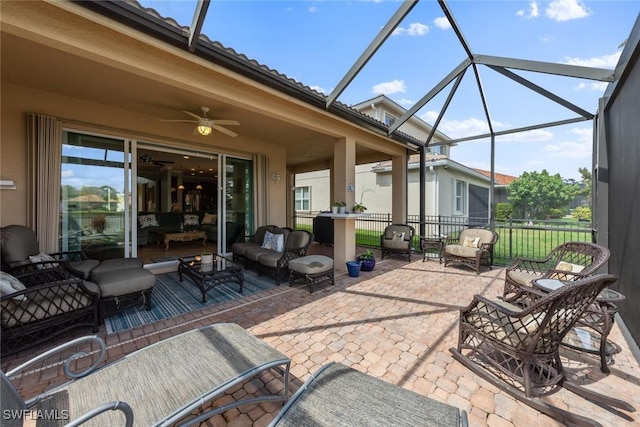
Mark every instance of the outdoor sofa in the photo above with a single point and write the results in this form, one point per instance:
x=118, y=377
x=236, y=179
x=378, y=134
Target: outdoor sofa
x=271, y=248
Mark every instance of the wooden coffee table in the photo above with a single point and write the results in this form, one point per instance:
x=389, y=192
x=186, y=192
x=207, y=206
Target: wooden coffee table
x=187, y=236
x=208, y=276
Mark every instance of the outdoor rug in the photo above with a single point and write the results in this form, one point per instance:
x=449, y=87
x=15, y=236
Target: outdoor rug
x=170, y=297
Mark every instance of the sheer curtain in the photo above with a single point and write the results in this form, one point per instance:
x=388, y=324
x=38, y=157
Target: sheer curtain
x=44, y=138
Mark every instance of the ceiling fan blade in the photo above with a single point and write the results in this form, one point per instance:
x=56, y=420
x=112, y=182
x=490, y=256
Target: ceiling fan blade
x=225, y=122
x=224, y=130
x=195, y=116
x=185, y=121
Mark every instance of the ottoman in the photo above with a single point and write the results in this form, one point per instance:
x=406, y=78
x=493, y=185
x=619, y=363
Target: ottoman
x=123, y=283
x=312, y=270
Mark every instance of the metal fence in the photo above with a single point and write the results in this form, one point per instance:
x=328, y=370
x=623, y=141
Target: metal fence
x=518, y=238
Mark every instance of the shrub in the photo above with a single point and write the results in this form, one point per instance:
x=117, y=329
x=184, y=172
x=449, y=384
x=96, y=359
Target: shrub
x=582, y=213
x=503, y=211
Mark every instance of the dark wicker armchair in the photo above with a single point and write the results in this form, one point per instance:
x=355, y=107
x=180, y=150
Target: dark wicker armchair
x=397, y=238
x=472, y=248
x=51, y=303
x=516, y=346
x=568, y=262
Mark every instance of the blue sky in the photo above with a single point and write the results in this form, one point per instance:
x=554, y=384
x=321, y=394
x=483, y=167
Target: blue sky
x=316, y=42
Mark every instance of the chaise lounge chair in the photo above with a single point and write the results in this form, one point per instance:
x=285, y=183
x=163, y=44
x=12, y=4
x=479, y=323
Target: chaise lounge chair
x=171, y=382
x=339, y=396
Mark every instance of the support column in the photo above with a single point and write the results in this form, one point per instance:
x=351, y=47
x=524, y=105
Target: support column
x=399, y=189
x=344, y=180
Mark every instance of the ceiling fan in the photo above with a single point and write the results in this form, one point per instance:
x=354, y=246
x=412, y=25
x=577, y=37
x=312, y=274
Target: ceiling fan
x=147, y=159
x=205, y=124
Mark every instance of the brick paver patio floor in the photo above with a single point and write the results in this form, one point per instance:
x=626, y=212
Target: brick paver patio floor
x=395, y=323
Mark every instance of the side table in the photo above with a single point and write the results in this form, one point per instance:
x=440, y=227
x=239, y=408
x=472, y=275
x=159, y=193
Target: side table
x=427, y=243
x=599, y=317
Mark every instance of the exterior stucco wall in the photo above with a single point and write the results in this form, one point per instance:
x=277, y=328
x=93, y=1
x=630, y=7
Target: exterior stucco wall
x=375, y=189
x=17, y=101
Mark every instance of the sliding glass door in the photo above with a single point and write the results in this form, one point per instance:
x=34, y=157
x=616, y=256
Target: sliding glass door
x=236, y=193
x=94, y=203
x=107, y=184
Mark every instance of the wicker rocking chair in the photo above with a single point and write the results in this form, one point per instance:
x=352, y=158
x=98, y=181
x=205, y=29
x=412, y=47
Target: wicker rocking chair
x=568, y=262
x=515, y=346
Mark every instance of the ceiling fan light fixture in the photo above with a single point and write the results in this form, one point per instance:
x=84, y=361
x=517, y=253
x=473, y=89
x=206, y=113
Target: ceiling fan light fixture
x=204, y=130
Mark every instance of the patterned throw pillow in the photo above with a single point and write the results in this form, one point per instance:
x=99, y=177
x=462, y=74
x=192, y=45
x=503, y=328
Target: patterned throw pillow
x=273, y=241
x=191, y=220
x=471, y=242
x=398, y=235
x=148, y=221
x=10, y=285
x=41, y=257
x=209, y=218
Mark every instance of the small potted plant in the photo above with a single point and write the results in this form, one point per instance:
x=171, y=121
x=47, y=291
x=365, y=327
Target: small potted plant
x=339, y=207
x=359, y=208
x=367, y=260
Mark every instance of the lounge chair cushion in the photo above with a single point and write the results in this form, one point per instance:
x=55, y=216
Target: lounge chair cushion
x=522, y=277
x=310, y=264
x=175, y=375
x=340, y=396
x=116, y=283
x=461, y=251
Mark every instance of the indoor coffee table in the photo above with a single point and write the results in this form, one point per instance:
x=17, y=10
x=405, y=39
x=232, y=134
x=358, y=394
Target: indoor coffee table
x=186, y=236
x=208, y=276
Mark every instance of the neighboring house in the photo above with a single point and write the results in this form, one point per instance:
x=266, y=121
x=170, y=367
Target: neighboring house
x=500, y=187
x=451, y=189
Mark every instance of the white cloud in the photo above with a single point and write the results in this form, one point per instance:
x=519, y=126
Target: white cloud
x=430, y=116
x=580, y=148
x=405, y=102
x=532, y=12
x=388, y=88
x=598, y=86
x=566, y=10
x=67, y=174
x=415, y=29
x=535, y=135
x=442, y=22
x=319, y=89
x=547, y=38
x=312, y=9
x=605, y=61
x=461, y=128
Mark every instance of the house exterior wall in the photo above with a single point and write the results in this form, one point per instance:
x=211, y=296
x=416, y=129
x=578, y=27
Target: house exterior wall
x=17, y=101
x=375, y=189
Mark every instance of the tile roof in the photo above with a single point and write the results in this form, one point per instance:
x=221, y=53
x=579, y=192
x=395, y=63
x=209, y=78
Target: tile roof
x=501, y=179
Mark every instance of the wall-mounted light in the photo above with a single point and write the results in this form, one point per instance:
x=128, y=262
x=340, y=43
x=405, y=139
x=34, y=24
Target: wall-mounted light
x=180, y=187
x=204, y=130
x=199, y=187
x=276, y=177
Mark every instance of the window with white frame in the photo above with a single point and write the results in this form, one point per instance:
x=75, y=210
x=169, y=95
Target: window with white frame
x=389, y=119
x=303, y=198
x=460, y=196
